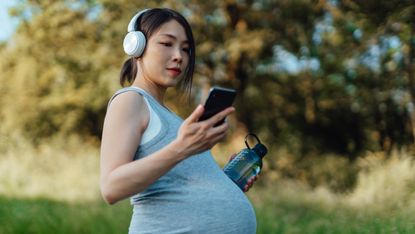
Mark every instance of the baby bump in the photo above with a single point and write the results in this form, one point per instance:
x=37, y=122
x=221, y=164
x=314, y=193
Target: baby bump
x=206, y=214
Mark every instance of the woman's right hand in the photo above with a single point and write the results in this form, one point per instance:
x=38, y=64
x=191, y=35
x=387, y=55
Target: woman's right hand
x=195, y=137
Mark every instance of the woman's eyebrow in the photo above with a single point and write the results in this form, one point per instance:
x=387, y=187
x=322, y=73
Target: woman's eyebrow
x=173, y=37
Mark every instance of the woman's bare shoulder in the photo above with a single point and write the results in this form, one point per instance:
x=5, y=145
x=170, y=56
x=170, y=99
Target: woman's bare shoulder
x=130, y=107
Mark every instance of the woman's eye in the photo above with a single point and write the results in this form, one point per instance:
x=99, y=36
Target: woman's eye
x=186, y=50
x=166, y=43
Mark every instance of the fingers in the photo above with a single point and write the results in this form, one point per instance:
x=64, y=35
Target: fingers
x=217, y=134
x=219, y=116
x=250, y=183
x=196, y=114
x=203, y=135
x=207, y=141
x=232, y=157
x=248, y=186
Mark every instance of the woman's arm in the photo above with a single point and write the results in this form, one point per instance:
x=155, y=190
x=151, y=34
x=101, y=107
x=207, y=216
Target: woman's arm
x=124, y=124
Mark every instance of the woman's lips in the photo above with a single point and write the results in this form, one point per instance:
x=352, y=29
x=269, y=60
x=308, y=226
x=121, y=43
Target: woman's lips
x=174, y=71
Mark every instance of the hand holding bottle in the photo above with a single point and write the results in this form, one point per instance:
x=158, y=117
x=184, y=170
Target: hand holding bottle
x=246, y=165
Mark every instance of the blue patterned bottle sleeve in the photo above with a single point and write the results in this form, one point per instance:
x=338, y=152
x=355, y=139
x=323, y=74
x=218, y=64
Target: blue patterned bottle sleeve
x=246, y=164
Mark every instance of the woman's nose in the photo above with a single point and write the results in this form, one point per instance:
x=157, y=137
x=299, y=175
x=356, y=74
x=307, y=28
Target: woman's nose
x=177, y=55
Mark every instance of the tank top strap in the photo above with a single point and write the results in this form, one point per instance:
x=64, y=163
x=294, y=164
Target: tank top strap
x=126, y=89
x=149, y=99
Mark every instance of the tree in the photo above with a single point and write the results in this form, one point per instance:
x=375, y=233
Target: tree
x=313, y=76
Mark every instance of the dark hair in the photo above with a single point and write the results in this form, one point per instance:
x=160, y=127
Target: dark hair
x=150, y=22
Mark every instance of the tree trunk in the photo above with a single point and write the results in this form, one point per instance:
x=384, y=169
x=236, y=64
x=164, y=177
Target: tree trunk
x=411, y=78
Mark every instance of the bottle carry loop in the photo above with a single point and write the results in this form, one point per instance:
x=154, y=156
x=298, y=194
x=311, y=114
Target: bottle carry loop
x=246, y=139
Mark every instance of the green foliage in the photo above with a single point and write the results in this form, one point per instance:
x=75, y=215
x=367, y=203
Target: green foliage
x=53, y=78
x=61, y=66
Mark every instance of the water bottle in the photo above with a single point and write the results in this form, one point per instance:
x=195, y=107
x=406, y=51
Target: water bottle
x=247, y=163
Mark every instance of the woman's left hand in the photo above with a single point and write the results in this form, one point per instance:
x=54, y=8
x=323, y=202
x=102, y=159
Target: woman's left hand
x=251, y=180
x=250, y=183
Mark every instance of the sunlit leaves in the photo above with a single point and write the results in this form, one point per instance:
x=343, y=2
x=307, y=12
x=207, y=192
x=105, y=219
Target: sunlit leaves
x=313, y=71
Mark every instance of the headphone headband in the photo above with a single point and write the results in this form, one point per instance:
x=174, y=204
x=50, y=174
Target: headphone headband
x=133, y=21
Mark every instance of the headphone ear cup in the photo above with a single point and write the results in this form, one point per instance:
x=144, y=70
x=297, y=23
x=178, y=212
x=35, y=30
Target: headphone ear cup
x=134, y=43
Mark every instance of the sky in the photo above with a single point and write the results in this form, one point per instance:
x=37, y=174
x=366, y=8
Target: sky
x=7, y=24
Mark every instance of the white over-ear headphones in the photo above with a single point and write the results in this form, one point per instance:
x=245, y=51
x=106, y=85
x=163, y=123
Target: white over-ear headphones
x=135, y=41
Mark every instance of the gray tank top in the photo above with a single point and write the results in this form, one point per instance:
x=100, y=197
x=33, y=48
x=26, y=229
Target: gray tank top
x=195, y=196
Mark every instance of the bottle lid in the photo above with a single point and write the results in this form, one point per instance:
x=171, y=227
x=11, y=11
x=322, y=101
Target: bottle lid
x=260, y=150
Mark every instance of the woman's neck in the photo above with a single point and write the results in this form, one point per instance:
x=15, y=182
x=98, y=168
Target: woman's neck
x=156, y=91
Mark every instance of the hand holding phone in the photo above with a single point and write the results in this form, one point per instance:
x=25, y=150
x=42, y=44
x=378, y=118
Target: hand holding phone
x=218, y=100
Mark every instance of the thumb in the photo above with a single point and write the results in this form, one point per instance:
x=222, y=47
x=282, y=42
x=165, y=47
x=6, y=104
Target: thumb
x=196, y=114
x=232, y=157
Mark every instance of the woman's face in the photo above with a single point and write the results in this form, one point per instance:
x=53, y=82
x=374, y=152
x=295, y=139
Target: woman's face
x=166, y=56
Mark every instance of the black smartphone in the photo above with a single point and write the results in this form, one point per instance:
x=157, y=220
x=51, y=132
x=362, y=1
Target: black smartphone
x=218, y=100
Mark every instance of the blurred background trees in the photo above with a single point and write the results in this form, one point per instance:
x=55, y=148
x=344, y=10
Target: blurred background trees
x=313, y=76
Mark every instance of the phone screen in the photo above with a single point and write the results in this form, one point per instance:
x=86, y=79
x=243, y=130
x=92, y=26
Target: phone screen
x=218, y=100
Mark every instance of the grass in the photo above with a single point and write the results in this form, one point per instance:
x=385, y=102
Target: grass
x=48, y=216
x=282, y=216
x=306, y=213
x=54, y=189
